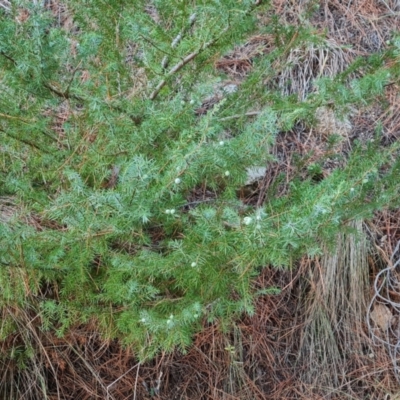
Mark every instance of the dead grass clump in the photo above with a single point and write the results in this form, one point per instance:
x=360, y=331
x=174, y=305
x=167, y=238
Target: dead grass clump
x=301, y=66
x=365, y=24
x=334, y=308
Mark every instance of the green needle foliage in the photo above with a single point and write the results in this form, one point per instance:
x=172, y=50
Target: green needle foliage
x=101, y=225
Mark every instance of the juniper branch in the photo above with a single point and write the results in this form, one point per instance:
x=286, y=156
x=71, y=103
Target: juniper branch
x=178, y=38
x=26, y=141
x=183, y=62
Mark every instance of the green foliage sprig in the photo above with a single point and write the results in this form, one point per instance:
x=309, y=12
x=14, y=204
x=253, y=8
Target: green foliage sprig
x=102, y=213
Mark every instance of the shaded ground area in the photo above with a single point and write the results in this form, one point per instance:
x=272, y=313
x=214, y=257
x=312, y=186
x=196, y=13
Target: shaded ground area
x=308, y=341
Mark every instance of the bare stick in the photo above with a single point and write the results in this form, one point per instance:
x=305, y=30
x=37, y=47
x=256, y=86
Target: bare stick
x=248, y=114
x=182, y=63
x=177, y=40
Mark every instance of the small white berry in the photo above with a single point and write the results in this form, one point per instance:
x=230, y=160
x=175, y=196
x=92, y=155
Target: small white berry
x=177, y=181
x=172, y=211
x=352, y=190
x=247, y=220
x=221, y=143
x=192, y=102
x=227, y=173
x=143, y=320
x=193, y=264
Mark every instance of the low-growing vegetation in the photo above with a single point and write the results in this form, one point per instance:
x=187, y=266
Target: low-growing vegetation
x=199, y=186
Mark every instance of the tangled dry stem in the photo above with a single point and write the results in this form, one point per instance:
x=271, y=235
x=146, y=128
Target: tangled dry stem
x=383, y=314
